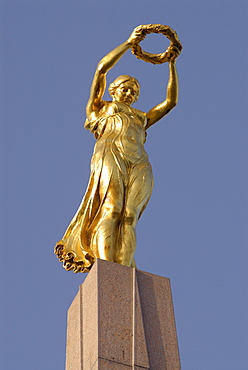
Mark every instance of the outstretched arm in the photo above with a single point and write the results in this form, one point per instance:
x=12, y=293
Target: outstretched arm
x=160, y=110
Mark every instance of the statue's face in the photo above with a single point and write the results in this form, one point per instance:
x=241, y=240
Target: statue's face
x=126, y=92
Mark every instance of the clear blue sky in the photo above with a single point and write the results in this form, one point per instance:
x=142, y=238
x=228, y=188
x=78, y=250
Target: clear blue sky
x=194, y=230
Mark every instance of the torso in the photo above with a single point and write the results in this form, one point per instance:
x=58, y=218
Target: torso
x=123, y=127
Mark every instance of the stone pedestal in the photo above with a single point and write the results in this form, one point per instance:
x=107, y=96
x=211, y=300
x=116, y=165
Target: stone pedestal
x=122, y=319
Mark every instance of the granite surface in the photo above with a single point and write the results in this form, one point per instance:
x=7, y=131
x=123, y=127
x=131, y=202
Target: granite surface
x=74, y=334
x=122, y=319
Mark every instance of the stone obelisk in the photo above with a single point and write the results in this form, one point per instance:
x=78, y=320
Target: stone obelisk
x=122, y=319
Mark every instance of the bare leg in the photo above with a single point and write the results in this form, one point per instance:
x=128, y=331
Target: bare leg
x=127, y=238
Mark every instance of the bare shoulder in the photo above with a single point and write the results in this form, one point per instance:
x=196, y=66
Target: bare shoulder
x=109, y=107
x=140, y=114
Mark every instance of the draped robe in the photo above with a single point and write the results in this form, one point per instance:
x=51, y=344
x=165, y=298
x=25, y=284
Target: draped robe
x=119, y=162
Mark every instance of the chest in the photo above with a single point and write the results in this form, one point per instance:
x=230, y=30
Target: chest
x=134, y=114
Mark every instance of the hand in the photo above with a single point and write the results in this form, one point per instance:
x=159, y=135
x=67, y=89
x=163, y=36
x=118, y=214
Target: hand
x=136, y=35
x=174, y=52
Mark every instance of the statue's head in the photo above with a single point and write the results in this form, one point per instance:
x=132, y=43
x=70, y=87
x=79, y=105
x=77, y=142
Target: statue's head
x=125, y=89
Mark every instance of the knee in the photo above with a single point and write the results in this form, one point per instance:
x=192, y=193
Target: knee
x=130, y=217
x=114, y=211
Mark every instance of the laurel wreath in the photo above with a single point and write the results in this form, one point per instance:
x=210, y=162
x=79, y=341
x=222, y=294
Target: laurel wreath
x=155, y=58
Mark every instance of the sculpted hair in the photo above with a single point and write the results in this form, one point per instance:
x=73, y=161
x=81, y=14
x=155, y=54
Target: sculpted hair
x=120, y=80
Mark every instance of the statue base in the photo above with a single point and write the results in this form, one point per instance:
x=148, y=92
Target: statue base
x=122, y=319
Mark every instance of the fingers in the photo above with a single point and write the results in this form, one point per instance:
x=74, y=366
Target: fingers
x=137, y=35
x=173, y=52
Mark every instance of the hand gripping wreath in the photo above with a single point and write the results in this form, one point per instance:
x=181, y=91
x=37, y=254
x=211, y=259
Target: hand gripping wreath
x=144, y=30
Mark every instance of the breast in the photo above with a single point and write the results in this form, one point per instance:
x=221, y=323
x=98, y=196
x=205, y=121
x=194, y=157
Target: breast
x=121, y=122
x=134, y=114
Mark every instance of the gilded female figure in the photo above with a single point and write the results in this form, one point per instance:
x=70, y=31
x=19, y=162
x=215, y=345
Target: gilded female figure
x=121, y=180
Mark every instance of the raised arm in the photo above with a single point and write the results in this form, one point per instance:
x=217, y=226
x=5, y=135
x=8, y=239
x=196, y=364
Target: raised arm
x=160, y=110
x=98, y=86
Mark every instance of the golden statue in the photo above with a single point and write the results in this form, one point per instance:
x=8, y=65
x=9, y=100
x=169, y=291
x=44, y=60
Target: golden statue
x=121, y=179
